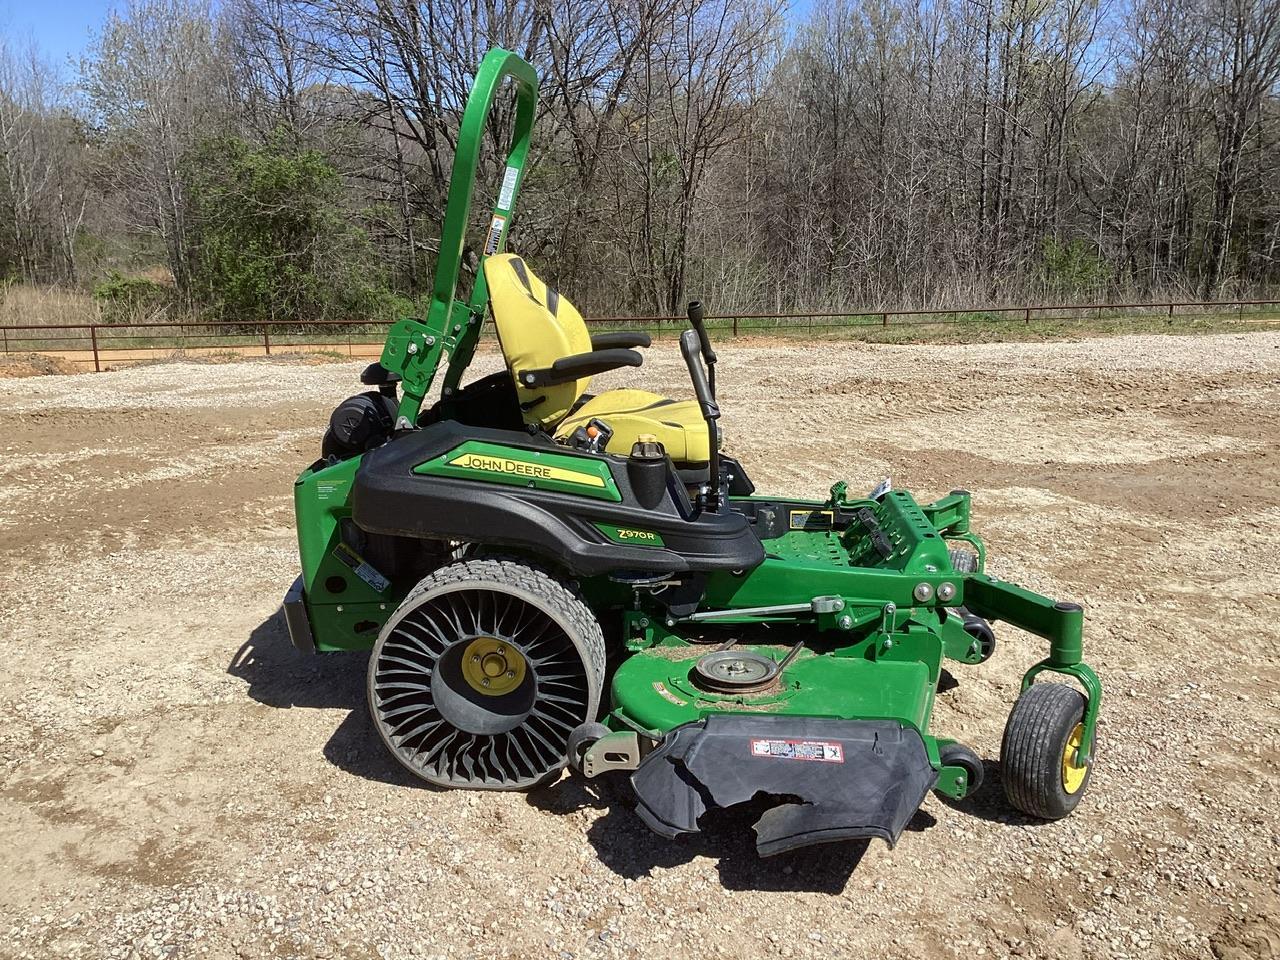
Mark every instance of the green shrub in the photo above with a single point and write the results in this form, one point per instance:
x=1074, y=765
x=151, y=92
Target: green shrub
x=129, y=299
x=1073, y=269
x=272, y=242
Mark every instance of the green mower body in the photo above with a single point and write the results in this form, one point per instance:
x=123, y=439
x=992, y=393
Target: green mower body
x=533, y=603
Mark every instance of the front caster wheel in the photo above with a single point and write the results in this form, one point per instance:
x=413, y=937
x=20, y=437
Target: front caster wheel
x=1039, y=756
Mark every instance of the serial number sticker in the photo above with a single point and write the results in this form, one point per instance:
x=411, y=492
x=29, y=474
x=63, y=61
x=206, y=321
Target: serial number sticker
x=495, y=235
x=812, y=519
x=361, y=567
x=821, y=751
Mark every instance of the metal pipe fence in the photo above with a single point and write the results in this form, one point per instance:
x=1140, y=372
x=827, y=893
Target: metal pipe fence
x=124, y=343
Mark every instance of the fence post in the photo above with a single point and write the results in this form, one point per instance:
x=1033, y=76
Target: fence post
x=93, y=339
x=266, y=339
x=6, y=339
x=1026, y=317
x=884, y=319
x=1171, y=311
x=735, y=326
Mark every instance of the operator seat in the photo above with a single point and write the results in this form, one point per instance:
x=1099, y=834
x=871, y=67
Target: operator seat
x=538, y=327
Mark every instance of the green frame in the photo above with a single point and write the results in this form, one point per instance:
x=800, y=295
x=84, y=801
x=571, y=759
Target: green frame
x=414, y=348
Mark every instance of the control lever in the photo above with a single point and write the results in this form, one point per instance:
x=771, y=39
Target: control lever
x=708, y=355
x=593, y=438
x=710, y=411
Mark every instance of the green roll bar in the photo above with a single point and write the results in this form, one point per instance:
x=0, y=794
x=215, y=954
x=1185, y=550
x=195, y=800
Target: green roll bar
x=414, y=347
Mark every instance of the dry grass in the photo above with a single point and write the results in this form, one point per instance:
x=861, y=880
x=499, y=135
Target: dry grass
x=28, y=305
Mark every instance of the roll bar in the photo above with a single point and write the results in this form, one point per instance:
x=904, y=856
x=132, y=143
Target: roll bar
x=414, y=347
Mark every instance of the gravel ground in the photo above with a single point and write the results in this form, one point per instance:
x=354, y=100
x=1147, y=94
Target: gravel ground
x=176, y=781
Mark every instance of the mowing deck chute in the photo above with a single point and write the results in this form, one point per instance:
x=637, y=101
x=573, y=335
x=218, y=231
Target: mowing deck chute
x=832, y=779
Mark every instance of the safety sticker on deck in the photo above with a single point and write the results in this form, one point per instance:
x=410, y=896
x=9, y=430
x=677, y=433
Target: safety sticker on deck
x=822, y=751
x=661, y=690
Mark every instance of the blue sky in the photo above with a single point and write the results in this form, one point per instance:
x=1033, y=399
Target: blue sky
x=61, y=28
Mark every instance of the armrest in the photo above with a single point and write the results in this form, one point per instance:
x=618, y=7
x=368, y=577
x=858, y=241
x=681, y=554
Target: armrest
x=578, y=366
x=620, y=338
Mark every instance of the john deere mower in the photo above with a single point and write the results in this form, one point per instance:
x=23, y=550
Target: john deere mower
x=548, y=577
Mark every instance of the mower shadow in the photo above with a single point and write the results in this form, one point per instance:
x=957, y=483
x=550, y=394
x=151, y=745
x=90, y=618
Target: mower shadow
x=989, y=802
x=280, y=676
x=277, y=675
x=631, y=850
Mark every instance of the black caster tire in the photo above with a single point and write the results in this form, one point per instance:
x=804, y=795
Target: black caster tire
x=983, y=635
x=1038, y=761
x=581, y=739
x=958, y=755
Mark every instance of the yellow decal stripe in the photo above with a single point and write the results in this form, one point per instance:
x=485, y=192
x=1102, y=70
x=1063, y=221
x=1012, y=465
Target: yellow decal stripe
x=523, y=468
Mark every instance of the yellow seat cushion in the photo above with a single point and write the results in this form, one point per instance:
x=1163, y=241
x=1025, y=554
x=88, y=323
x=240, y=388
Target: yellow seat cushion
x=536, y=327
x=677, y=424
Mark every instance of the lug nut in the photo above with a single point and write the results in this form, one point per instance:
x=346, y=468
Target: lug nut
x=946, y=592
x=923, y=592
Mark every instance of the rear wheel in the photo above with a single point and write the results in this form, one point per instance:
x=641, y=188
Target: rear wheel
x=482, y=673
x=1039, y=756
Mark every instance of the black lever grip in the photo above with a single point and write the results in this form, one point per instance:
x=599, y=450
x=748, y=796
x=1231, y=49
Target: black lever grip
x=693, y=360
x=696, y=321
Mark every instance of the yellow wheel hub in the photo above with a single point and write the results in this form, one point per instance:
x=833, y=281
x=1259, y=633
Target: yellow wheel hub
x=1073, y=773
x=492, y=667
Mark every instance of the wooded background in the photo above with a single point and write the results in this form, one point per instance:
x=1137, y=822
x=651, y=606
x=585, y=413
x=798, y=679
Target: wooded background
x=280, y=159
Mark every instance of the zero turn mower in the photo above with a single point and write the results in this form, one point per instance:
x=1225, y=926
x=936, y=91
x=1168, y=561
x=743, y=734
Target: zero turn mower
x=548, y=577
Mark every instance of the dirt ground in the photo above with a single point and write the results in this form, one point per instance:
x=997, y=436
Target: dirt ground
x=177, y=781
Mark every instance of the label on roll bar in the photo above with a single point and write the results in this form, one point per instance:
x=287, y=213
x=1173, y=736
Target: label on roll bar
x=508, y=188
x=495, y=235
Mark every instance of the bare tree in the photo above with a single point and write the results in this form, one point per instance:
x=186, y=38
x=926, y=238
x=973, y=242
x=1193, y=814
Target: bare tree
x=156, y=81
x=1241, y=64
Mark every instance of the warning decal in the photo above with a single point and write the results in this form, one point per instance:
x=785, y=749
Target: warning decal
x=361, y=567
x=508, y=188
x=822, y=751
x=661, y=689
